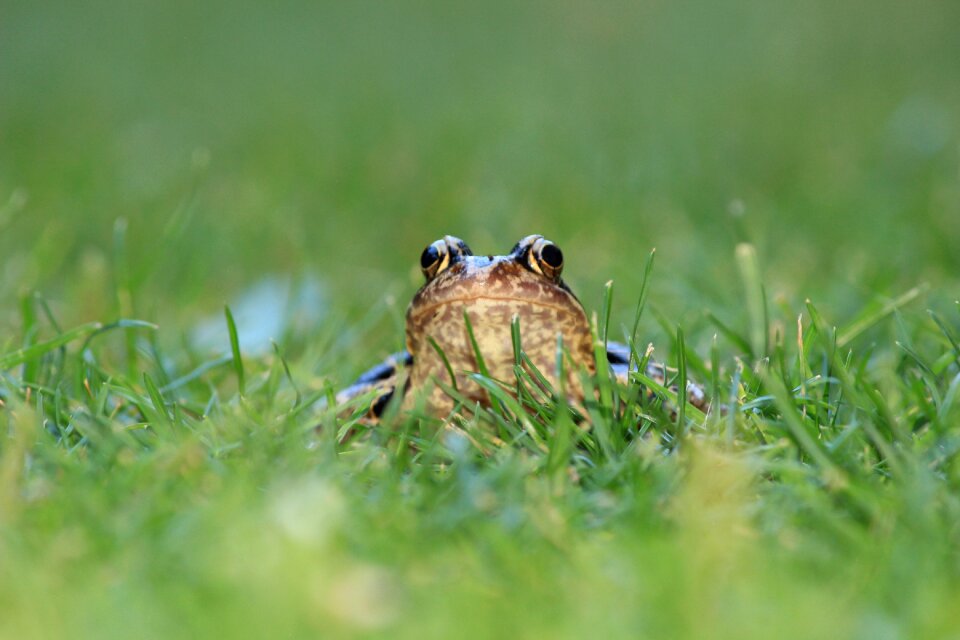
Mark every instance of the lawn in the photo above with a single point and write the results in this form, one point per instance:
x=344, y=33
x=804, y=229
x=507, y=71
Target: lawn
x=211, y=216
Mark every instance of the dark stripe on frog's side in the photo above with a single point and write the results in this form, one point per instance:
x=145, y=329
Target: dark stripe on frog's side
x=380, y=404
x=618, y=355
x=381, y=378
x=385, y=369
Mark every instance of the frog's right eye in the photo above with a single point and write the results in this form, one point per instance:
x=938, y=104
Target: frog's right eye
x=434, y=259
x=441, y=254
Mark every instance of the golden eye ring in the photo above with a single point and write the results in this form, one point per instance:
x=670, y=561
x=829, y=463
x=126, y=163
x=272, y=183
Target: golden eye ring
x=441, y=254
x=545, y=258
x=550, y=259
x=434, y=259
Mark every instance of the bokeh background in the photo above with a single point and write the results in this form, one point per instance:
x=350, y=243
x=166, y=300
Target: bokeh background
x=198, y=151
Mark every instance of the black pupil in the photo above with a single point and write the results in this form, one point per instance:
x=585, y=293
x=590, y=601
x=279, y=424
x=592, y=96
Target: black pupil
x=429, y=257
x=551, y=255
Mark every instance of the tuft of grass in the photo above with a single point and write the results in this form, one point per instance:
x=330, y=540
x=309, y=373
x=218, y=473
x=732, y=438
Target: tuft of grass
x=832, y=468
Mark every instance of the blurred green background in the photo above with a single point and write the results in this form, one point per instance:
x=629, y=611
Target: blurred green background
x=240, y=140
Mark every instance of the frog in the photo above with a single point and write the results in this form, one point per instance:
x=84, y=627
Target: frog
x=468, y=306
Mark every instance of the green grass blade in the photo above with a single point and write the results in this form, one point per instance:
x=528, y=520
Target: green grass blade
x=123, y=292
x=47, y=312
x=714, y=372
x=742, y=343
x=196, y=373
x=20, y=356
x=849, y=333
x=235, y=350
x=641, y=305
x=746, y=258
x=603, y=373
x=481, y=363
x=515, y=340
x=672, y=398
x=286, y=370
x=945, y=330
x=863, y=393
x=28, y=319
x=443, y=358
x=119, y=324
x=681, y=383
x=800, y=432
x=605, y=311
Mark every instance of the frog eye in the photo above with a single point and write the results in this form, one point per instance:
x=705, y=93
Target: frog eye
x=550, y=259
x=434, y=259
x=441, y=254
x=541, y=256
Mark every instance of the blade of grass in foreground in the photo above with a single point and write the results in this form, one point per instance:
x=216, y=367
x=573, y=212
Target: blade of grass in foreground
x=505, y=398
x=515, y=340
x=160, y=416
x=481, y=363
x=196, y=373
x=28, y=353
x=298, y=397
x=847, y=335
x=682, y=383
x=667, y=394
x=235, y=349
x=119, y=324
x=641, y=305
x=28, y=317
x=603, y=374
x=741, y=343
x=756, y=300
x=562, y=441
x=714, y=372
x=947, y=333
x=530, y=382
x=799, y=431
x=605, y=312
x=856, y=393
x=443, y=358
x=123, y=291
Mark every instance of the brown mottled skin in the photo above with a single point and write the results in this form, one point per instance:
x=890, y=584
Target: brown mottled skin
x=491, y=291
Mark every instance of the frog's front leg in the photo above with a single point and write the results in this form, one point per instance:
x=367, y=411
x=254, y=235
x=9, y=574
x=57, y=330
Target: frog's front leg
x=381, y=380
x=618, y=355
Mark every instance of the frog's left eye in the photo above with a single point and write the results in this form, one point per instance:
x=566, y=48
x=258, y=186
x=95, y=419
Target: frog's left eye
x=546, y=258
x=441, y=254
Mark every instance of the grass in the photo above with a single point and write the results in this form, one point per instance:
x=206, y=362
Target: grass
x=815, y=503
x=795, y=166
